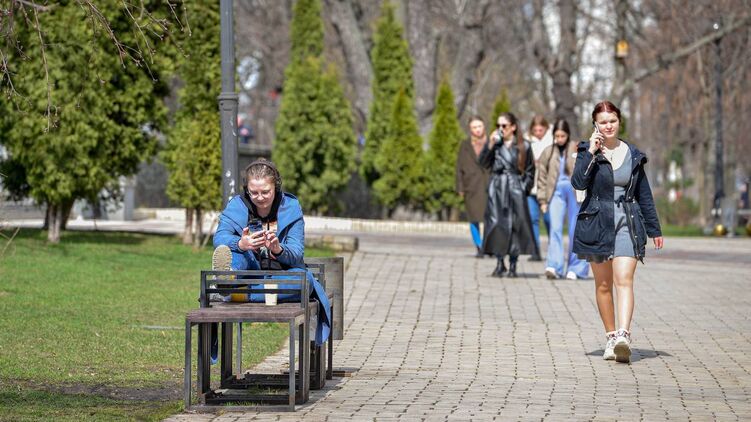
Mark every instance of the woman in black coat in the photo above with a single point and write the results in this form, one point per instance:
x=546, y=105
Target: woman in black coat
x=508, y=227
x=616, y=217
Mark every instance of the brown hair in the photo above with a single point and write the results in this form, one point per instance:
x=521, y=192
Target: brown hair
x=261, y=169
x=475, y=117
x=522, y=157
x=538, y=120
x=605, y=107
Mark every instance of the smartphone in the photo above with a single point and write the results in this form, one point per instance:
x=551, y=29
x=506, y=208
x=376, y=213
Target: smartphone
x=255, y=225
x=597, y=128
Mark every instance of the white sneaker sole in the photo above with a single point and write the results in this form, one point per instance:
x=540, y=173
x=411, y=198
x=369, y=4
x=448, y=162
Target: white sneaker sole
x=608, y=356
x=622, y=352
x=222, y=259
x=550, y=274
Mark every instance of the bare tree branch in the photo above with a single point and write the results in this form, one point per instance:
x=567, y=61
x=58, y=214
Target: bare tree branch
x=666, y=59
x=46, y=69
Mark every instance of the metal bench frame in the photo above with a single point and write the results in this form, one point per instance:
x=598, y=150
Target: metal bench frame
x=298, y=382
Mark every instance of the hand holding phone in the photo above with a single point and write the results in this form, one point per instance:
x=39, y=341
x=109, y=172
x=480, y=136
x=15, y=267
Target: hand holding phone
x=595, y=141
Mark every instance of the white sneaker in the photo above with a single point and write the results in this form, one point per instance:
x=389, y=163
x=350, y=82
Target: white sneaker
x=609, y=353
x=550, y=273
x=571, y=275
x=622, y=348
x=221, y=260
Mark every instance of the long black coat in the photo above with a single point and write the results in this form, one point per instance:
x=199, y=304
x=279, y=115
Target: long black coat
x=595, y=225
x=508, y=226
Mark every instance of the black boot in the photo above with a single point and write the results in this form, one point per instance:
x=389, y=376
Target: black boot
x=500, y=269
x=512, y=267
x=479, y=253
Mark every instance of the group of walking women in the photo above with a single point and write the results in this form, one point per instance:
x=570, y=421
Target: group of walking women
x=507, y=182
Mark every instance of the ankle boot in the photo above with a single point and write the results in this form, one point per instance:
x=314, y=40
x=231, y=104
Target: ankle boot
x=500, y=269
x=512, y=269
x=479, y=253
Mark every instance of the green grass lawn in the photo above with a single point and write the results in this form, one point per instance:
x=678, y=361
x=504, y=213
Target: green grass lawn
x=93, y=325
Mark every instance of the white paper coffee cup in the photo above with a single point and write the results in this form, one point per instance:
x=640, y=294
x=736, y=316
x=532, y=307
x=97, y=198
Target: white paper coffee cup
x=270, y=298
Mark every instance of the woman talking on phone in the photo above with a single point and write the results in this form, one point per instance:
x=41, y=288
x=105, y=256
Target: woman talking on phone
x=616, y=217
x=508, y=227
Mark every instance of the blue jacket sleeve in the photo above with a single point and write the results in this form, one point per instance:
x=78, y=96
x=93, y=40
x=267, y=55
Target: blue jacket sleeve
x=293, y=244
x=226, y=234
x=229, y=230
x=646, y=202
x=582, y=176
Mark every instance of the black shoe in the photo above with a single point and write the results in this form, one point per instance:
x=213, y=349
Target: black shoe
x=535, y=258
x=500, y=269
x=512, y=269
x=479, y=253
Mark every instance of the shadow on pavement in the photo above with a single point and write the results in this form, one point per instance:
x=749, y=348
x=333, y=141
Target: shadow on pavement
x=636, y=354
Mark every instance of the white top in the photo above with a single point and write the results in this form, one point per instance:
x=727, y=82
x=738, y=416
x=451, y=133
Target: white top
x=538, y=145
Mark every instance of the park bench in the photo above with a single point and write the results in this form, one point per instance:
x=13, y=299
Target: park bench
x=314, y=365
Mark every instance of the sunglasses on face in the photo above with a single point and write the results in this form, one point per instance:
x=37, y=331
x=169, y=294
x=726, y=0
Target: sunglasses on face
x=502, y=126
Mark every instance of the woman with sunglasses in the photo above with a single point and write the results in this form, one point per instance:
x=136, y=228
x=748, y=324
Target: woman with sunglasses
x=508, y=227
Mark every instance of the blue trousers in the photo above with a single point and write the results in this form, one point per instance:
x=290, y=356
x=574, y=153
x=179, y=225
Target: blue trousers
x=534, y=214
x=474, y=228
x=563, y=205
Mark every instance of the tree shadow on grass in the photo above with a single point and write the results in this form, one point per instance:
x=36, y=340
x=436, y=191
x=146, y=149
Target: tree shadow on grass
x=636, y=354
x=84, y=237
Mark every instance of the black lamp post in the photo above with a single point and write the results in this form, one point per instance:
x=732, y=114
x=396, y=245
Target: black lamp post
x=718, y=173
x=228, y=103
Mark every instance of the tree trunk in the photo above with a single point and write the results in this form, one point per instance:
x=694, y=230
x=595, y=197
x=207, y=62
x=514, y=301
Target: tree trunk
x=66, y=207
x=188, y=231
x=199, y=229
x=565, y=100
x=359, y=69
x=55, y=213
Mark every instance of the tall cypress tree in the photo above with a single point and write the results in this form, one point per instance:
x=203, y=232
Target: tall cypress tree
x=193, y=154
x=400, y=159
x=306, y=30
x=502, y=105
x=315, y=142
x=440, y=161
x=392, y=71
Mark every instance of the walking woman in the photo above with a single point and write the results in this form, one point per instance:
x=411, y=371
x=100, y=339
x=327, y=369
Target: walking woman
x=617, y=216
x=557, y=197
x=472, y=179
x=508, y=228
x=540, y=137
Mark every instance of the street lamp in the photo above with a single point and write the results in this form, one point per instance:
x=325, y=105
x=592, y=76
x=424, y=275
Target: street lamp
x=718, y=173
x=228, y=103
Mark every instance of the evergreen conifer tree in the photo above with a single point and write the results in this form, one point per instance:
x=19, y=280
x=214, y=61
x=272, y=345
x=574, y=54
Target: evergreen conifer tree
x=502, y=105
x=440, y=163
x=194, y=155
x=103, y=110
x=392, y=71
x=306, y=30
x=400, y=160
x=315, y=143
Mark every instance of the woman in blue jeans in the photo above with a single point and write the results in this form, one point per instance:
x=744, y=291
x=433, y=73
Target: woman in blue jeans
x=557, y=197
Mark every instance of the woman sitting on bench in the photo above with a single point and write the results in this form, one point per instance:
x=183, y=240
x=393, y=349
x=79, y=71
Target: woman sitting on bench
x=264, y=229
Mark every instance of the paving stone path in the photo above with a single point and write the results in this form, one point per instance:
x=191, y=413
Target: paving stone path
x=430, y=336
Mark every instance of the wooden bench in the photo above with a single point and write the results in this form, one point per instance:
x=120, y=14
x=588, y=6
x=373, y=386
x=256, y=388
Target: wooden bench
x=297, y=315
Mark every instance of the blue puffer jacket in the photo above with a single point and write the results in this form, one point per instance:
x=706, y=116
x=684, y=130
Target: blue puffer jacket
x=595, y=225
x=291, y=234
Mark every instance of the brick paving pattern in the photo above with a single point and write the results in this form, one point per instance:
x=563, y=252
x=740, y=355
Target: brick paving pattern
x=431, y=336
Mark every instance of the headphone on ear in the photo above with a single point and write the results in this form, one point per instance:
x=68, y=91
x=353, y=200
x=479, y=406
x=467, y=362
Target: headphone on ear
x=263, y=162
